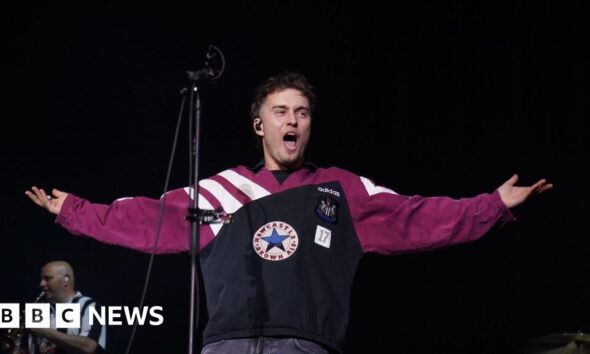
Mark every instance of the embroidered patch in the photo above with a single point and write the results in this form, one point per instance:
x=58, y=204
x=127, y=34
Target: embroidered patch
x=327, y=209
x=275, y=241
x=323, y=236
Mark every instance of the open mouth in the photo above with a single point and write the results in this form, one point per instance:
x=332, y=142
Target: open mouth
x=290, y=141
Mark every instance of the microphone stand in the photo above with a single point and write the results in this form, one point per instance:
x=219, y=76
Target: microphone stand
x=196, y=216
x=193, y=210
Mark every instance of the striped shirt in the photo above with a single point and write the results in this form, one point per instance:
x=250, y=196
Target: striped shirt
x=96, y=332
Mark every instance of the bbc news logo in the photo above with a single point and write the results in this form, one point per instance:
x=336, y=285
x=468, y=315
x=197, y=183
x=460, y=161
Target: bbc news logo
x=69, y=316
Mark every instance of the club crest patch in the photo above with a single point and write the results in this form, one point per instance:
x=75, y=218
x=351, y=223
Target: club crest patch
x=275, y=241
x=327, y=209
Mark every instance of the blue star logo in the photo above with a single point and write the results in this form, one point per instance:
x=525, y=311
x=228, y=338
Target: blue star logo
x=275, y=240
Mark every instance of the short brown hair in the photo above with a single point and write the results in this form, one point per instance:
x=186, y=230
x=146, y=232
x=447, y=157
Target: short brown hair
x=279, y=82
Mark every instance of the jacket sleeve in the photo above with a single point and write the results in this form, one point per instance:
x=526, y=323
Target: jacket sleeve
x=132, y=222
x=389, y=223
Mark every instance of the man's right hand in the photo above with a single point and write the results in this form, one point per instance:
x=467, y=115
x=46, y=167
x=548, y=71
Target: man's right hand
x=52, y=204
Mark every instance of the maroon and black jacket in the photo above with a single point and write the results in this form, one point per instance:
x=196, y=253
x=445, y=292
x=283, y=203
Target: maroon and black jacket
x=285, y=264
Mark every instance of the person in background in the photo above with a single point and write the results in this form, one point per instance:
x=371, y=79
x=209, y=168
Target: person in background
x=59, y=286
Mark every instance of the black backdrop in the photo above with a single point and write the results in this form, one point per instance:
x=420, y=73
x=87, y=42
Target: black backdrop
x=430, y=98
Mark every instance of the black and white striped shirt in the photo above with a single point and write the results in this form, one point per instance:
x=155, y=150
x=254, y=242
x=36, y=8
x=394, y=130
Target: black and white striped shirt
x=96, y=332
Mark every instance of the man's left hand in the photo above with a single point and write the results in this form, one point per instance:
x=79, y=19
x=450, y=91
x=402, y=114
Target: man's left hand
x=514, y=195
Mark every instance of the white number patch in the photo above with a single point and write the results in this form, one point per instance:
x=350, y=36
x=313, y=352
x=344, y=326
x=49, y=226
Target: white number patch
x=323, y=236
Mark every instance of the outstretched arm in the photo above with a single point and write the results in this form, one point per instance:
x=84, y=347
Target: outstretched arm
x=129, y=222
x=513, y=195
x=388, y=223
x=52, y=204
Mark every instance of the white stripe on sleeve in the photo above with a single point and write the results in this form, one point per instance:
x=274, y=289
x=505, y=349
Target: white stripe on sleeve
x=227, y=201
x=249, y=188
x=373, y=189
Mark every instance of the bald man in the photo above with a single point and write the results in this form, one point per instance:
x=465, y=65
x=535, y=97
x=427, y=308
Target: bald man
x=58, y=284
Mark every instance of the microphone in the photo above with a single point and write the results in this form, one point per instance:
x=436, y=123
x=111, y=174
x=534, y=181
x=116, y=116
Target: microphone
x=214, y=67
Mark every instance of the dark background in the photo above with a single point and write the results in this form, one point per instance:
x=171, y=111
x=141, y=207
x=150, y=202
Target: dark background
x=425, y=97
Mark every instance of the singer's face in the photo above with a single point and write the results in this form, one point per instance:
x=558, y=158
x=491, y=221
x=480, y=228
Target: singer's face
x=285, y=129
